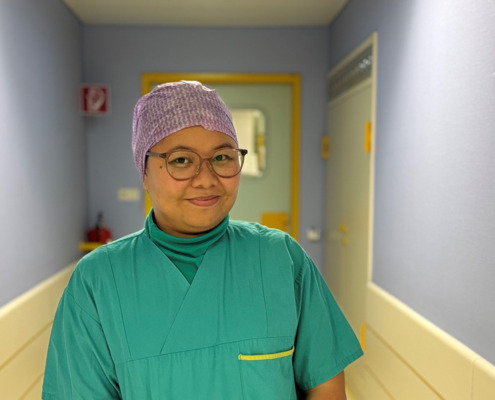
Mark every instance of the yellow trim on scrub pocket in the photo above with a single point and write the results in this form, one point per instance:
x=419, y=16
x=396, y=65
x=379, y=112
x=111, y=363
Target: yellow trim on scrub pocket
x=259, y=357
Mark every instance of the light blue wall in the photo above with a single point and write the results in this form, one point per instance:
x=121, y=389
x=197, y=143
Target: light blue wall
x=119, y=55
x=42, y=143
x=435, y=166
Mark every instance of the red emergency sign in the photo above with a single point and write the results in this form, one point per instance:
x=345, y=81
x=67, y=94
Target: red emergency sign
x=95, y=99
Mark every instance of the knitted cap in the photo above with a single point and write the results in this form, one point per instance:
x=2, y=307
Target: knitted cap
x=174, y=106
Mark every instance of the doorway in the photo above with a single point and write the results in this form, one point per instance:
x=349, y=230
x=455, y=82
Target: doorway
x=269, y=192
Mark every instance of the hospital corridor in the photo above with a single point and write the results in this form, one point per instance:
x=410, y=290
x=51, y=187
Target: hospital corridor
x=363, y=132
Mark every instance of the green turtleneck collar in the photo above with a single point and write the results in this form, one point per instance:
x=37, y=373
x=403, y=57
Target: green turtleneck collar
x=186, y=253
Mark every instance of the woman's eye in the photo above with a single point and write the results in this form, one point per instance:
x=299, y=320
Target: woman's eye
x=179, y=161
x=221, y=157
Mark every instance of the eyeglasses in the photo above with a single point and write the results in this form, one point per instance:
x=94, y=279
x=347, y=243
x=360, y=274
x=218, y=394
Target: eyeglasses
x=186, y=164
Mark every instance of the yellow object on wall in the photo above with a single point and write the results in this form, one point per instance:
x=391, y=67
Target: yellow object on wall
x=325, y=147
x=367, y=137
x=89, y=246
x=276, y=221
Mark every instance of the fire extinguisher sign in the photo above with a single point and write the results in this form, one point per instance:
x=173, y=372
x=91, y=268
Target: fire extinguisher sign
x=95, y=99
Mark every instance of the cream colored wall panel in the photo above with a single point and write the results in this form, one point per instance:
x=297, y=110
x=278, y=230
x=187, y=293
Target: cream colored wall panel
x=25, y=325
x=394, y=374
x=355, y=377
x=350, y=394
x=374, y=389
x=29, y=314
x=439, y=359
x=483, y=380
x=20, y=325
x=34, y=392
x=19, y=375
x=361, y=383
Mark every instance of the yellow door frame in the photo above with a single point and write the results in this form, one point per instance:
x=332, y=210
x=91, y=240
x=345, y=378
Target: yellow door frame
x=150, y=80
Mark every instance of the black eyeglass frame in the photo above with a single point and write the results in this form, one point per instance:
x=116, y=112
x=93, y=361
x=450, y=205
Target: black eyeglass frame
x=243, y=153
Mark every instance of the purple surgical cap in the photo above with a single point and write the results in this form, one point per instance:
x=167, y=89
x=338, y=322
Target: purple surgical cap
x=174, y=106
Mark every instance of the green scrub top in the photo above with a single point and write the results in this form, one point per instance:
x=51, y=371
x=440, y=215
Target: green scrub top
x=256, y=322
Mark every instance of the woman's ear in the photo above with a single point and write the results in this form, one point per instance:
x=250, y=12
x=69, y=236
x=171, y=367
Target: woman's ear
x=145, y=180
x=145, y=177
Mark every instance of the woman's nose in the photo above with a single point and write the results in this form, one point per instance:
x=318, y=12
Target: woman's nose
x=205, y=176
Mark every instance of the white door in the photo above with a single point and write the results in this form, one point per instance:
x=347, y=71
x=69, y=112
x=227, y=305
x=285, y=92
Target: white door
x=348, y=186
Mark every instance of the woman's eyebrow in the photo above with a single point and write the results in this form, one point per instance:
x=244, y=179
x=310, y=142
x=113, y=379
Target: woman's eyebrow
x=222, y=146
x=179, y=147
x=187, y=148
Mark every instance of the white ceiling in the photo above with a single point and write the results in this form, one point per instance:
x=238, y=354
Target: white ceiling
x=207, y=12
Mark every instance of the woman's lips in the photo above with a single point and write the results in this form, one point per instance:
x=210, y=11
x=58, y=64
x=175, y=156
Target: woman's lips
x=204, y=201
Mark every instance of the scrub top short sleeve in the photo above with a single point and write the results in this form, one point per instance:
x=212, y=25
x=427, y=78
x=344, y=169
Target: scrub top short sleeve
x=325, y=342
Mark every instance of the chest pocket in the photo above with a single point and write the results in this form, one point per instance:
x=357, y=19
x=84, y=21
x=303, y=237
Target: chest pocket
x=268, y=376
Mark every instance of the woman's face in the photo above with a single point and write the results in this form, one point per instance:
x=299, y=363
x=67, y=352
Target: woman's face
x=191, y=207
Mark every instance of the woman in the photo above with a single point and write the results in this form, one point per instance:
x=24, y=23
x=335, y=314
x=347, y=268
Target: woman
x=196, y=306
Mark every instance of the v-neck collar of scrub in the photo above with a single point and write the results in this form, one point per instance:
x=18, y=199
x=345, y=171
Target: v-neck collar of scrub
x=184, y=250
x=205, y=290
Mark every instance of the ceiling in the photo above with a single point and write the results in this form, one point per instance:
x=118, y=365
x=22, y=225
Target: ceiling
x=228, y=13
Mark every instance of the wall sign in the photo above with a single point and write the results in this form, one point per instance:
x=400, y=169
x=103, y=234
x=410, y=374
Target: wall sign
x=95, y=99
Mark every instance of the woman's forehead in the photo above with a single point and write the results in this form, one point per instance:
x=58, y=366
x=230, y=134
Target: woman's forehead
x=195, y=138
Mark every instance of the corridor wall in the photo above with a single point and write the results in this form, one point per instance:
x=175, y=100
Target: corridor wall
x=42, y=143
x=435, y=171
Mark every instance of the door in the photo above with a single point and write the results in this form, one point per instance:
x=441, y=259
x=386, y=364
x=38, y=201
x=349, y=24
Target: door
x=350, y=113
x=348, y=174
